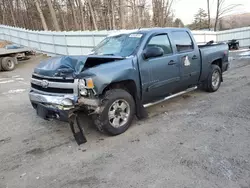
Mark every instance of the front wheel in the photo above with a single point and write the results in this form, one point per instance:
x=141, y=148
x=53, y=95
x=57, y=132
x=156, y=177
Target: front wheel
x=118, y=112
x=214, y=79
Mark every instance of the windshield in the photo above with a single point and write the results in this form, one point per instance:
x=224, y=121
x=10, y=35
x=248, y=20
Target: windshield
x=121, y=45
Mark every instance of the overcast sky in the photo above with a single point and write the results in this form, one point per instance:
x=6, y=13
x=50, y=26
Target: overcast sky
x=185, y=9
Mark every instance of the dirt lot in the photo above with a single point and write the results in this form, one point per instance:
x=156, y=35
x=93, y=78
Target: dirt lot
x=196, y=140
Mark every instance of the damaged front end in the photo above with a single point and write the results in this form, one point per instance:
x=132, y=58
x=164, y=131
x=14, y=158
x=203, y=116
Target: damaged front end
x=60, y=90
x=64, y=108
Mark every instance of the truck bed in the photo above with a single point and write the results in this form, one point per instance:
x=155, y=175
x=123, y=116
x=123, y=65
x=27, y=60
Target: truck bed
x=6, y=52
x=212, y=53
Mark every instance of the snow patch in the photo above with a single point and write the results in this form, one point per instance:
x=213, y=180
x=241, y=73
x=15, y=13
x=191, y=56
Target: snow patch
x=14, y=91
x=7, y=81
x=245, y=53
x=19, y=78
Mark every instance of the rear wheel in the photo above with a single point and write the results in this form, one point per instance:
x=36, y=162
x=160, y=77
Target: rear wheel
x=1, y=63
x=214, y=79
x=118, y=112
x=8, y=63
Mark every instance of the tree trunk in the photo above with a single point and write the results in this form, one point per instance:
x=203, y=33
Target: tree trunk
x=82, y=16
x=92, y=15
x=166, y=10
x=217, y=15
x=73, y=13
x=163, y=9
x=109, y=14
x=45, y=27
x=28, y=20
x=53, y=15
x=12, y=13
x=3, y=13
x=17, y=14
x=135, y=16
x=122, y=12
x=61, y=13
x=113, y=15
x=208, y=14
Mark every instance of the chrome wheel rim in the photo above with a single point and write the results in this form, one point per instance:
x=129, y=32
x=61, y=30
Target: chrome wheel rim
x=215, y=79
x=118, y=113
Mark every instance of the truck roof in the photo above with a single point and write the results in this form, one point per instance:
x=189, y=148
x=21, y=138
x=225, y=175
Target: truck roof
x=148, y=30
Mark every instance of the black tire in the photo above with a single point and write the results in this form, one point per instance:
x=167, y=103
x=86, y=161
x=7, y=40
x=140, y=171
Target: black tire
x=208, y=85
x=34, y=105
x=237, y=47
x=1, y=63
x=8, y=63
x=102, y=120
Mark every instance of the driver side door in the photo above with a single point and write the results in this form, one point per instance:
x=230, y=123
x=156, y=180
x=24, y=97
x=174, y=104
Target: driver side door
x=164, y=70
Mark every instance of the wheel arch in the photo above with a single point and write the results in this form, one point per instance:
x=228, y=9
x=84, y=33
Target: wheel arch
x=217, y=62
x=128, y=85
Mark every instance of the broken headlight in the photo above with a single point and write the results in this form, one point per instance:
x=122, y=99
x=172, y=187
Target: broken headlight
x=67, y=102
x=84, y=85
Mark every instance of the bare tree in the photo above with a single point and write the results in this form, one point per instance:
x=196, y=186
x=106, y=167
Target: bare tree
x=86, y=14
x=113, y=15
x=208, y=14
x=72, y=7
x=161, y=12
x=221, y=10
x=2, y=9
x=109, y=14
x=45, y=27
x=92, y=14
x=12, y=12
x=53, y=15
x=61, y=14
x=121, y=6
x=133, y=10
x=81, y=13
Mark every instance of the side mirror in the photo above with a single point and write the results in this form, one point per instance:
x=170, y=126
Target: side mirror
x=153, y=51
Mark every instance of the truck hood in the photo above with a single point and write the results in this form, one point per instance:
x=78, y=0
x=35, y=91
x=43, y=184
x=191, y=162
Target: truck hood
x=71, y=66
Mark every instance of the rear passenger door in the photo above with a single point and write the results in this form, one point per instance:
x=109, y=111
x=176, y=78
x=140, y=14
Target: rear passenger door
x=188, y=56
x=164, y=70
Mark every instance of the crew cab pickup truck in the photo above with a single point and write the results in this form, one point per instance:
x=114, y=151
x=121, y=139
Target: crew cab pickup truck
x=124, y=74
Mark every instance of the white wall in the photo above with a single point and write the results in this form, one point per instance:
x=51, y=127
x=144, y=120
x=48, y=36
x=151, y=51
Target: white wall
x=81, y=42
x=241, y=34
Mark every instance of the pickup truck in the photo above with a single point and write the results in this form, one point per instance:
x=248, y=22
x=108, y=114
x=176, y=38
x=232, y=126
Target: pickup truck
x=123, y=75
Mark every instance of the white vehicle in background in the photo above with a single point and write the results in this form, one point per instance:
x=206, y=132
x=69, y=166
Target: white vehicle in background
x=9, y=57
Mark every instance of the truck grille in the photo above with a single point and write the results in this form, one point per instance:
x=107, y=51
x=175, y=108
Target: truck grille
x=54, y=85
x=52, y=90
x=53, y=79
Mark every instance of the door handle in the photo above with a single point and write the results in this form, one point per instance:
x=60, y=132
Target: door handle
x=172, y=62
x=194, y=57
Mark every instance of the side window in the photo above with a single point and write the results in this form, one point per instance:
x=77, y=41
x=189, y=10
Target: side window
x=161, y=41
x=182, y=41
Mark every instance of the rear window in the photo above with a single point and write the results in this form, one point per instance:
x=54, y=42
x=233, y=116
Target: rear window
x=182, y=41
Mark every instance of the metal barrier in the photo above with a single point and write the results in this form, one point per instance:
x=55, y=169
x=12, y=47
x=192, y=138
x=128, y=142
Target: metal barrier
x=81, y=42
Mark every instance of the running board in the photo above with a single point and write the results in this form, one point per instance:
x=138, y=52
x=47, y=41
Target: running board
x=170, y=97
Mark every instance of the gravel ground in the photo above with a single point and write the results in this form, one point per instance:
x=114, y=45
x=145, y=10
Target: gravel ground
x=198, y=140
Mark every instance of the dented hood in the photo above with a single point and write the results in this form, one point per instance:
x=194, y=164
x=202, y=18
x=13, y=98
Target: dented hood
x=71, y=66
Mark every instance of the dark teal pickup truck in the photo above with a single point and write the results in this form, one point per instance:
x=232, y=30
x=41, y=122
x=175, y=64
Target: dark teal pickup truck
x=124, y=74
